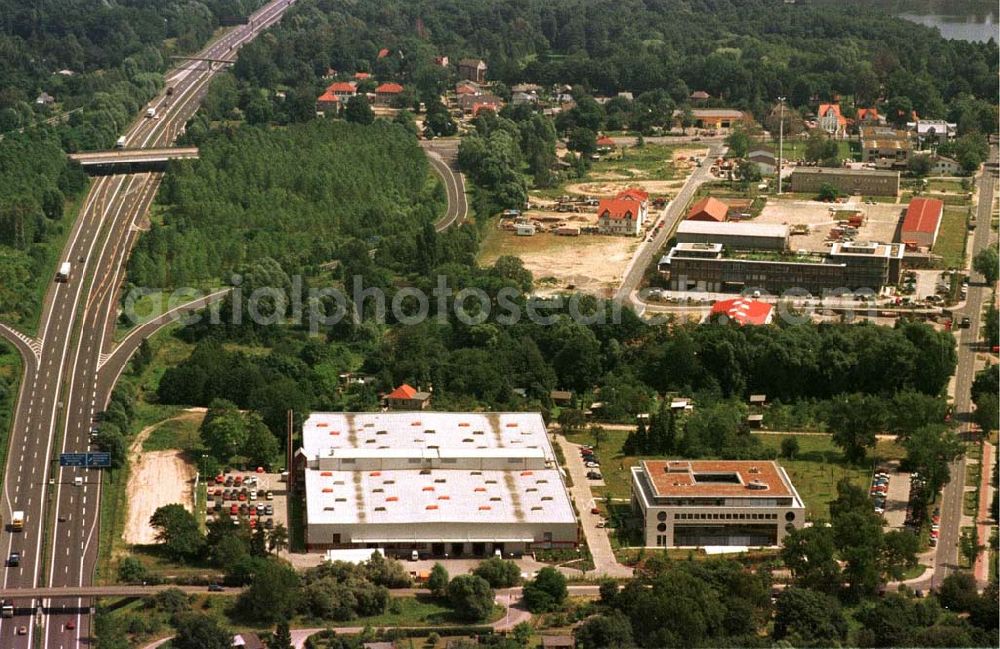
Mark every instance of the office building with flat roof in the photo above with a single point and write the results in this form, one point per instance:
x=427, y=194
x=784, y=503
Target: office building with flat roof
x=698, y=503
x=740, y=235
x=867, y=182
x=439, y=483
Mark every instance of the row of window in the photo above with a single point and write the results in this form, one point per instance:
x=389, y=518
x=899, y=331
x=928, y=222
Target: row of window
x=727, y=516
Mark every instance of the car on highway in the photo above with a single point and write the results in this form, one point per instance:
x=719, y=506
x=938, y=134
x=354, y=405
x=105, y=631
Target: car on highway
x=215, y=588
x=70, y=625
x=22, y=630
x=14, y=559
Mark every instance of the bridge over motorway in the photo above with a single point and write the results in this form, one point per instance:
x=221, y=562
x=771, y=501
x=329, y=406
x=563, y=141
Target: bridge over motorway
x=119, y=161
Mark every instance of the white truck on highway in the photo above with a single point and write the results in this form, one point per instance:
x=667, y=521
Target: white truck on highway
x=17, y=521
x=62, y=275
x=120, y=143
x=151, y=112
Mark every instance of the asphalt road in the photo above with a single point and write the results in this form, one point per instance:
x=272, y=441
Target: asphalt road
x=673, y=214
x=64, y=384
x=442, y=155
x=969, y=340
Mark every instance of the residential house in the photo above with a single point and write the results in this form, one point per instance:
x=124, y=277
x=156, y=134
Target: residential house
x=441, y=61
x=885, y=147
x=829, y=118
x=481, y=106
x=406, y=397
x=45, y=99
x=328, y=102
x=468, y=88
x=561, y=397
x=519, y=98
x=765, y=160
x=362, y=76
x=944, y=166
x=869, y=117
x=620, y=216
x=386, y=93
x=605, y=144
x=472, y=69
x=932, y=131
x=248, y=641
x=468, y=103
x=384, y=52
x=714, y=118
x=343, y=89
x=700, y=97
x=708, y=209
x=530, y=88
x=558, y=642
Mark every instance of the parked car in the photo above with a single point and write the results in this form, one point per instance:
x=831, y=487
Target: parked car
x=594, y=475
x=269, y=495
x=215, y=588
x=269, y=510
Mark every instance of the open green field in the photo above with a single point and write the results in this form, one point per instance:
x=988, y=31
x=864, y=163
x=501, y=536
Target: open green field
x=815, y=471
x=650, y=162
x=951, y=239
x=174, y=433
x=796, y=149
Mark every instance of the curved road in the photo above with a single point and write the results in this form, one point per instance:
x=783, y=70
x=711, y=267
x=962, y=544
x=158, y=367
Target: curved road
x=442, y=155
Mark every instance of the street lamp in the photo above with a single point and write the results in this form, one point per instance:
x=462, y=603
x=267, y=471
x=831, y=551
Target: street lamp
x=781, y=137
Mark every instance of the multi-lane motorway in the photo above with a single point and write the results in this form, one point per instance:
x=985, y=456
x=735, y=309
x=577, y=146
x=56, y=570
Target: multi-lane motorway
x=67, y=380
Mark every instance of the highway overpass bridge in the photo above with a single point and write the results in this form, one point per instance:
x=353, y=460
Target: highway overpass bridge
x=124, y=161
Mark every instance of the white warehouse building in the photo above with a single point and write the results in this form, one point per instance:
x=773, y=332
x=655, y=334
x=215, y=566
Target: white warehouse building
x=439, y=483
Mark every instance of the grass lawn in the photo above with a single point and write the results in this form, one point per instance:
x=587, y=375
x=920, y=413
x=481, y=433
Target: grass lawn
x=952, y=237
x=971, y=474
x=914, y=572
x=796, y=149
x=970, y=503
x=174, y=433
x=937, y=185
x=815, y=471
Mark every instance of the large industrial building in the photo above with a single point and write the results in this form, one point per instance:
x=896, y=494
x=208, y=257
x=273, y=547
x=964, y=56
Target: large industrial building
x=700, y=503
x=739, y=235
x=439, y=483
x=921, y=223
x=867, y=182
x=847, y=266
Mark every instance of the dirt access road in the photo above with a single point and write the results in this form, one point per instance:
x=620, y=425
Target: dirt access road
x=156, y=478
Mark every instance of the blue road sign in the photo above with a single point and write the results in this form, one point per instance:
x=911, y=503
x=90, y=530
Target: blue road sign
x=97, y=460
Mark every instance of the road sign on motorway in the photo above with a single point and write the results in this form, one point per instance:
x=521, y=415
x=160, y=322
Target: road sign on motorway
x=98, y=460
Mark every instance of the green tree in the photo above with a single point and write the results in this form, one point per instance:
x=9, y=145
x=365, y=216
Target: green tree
x=471, y=597
x=809, y=618
x=604, y=631
x=987, y=263
x=273, y=594
x=583, y=141
x=132, y=571
x=739, y=143
x=854, y=420
x=52, y=203
x=811, y=555
x=178, y=532
x=225, y=435
x=747, y=174
x=260, y=446
x=358, y=111
x=571, y=419
x=969, y=546
x=546, y=592
x=929, y=451
x=919, y=165
x=281, y=638
x=277, y=538
x=499, y=573
x=987, y=413
x=437, y=583
x=199, y=631
x=828, y=192
x=789, y=447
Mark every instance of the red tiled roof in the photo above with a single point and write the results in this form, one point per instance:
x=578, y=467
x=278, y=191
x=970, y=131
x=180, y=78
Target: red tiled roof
x=465, y=90
x=382, y=53
x=604, y=140
x=342, y=86
x=404, y=391
x=634, y=194
x=743, y=311
x=389, y=89
x=867, y=113
x=328, y=96
x=708, y=209
x=360, y=76
x=482, y=106
x=923, y=215
x=824, y=109
x=617, y=209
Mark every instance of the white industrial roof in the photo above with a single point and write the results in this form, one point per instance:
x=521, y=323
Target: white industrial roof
x=435, y=496
x=733, y=229
x=440, y=431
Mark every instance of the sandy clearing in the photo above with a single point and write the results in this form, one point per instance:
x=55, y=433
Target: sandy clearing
x=610, y=188
x=156, y=478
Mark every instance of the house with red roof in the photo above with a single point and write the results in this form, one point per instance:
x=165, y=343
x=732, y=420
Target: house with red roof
x=386, y=93
x=472, y=69
x=639, y=196
x=328, y=103
x=869, y=117
x=384, y=52
x=830, y=119
x=361, y=76
x=405, y=397
x=343, y=89
x=742, y=311
x=605, y=144
x=921, y=223
x=708, y=209
x=620, y=216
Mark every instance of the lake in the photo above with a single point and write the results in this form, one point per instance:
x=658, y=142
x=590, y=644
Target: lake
x=970, y=27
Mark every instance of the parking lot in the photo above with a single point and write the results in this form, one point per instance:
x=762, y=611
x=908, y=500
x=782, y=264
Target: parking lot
x=259, y=498
x=897, y=495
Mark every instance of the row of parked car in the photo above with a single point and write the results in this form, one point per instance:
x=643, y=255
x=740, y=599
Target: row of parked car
x=591, y=462
x=242, y=494
x=879, y=491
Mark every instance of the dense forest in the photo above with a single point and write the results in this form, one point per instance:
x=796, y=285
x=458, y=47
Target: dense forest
x=744, y=53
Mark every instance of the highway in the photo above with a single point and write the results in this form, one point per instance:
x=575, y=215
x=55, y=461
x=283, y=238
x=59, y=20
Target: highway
x=673, y=213
x=946, y=557
x=64, y=382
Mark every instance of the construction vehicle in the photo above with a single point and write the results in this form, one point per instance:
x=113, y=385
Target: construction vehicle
x=17, y=521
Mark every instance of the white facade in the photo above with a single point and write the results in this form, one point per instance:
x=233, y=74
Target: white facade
x=438, y=483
